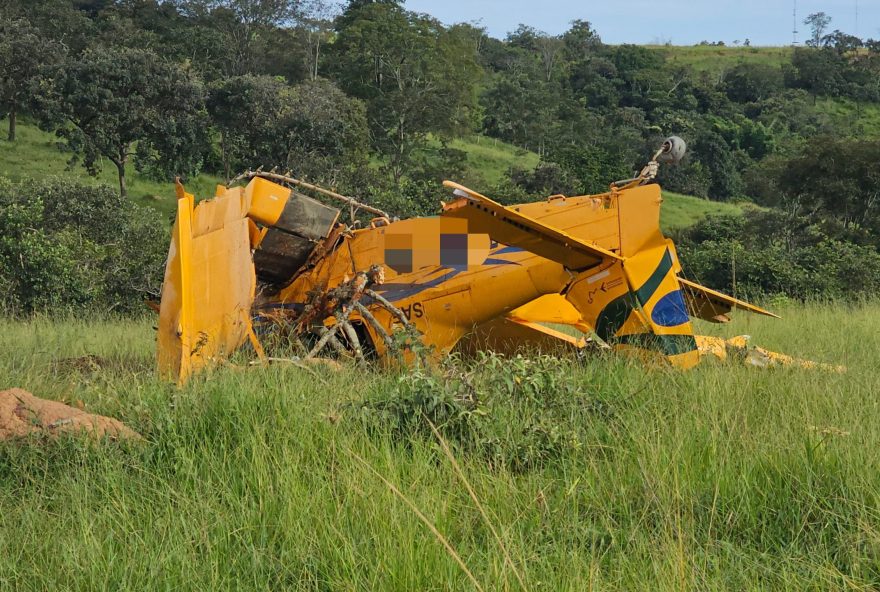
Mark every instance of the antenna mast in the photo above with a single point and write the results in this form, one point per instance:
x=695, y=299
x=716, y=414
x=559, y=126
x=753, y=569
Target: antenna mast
x=794, y=29
x=857, y=18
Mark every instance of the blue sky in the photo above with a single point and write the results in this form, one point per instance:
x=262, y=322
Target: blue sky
x=682, y=22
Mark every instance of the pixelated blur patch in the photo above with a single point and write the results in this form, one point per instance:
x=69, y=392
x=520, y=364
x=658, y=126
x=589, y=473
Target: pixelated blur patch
x=415, y=244
x=454, y=250
x=399, y=252
x=400, y=260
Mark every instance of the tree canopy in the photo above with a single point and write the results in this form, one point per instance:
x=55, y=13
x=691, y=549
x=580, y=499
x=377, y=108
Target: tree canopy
x=119, y=103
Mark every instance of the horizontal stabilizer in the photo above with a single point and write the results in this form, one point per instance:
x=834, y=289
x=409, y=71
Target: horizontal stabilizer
x=707, y=304
x=509, y=227
x=509, y=336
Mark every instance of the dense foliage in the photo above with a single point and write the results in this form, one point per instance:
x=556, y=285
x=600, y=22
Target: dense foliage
x=819, y=238
x=71, y=247
x=777, y=253
x=231, y=68
x=119, y=103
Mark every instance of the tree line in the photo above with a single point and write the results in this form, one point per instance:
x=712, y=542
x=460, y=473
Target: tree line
x=184, y=86
x=367, y=99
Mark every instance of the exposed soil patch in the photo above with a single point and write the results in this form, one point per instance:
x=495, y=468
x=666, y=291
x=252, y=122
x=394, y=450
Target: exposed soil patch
x=85, y=364
x=92, y=364
x=21, y=414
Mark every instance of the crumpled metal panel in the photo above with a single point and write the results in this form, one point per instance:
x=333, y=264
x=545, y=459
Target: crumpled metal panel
x=292, y=238
x=209, y=285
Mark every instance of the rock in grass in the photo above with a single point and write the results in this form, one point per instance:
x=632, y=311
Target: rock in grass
x=22, y=414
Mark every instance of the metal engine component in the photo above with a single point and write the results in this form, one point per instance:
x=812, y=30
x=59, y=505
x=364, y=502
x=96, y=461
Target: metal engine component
x=672, y=151
x=288, y=242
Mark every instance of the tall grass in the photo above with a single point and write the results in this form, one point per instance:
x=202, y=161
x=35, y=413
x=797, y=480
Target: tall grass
x=722, y=478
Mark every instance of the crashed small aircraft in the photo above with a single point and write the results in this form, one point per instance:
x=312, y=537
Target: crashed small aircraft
x=264, y=257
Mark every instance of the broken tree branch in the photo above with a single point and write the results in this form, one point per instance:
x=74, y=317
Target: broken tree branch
x=352, y=203
x=353, y=340
x=377, y=326
x=391, y=308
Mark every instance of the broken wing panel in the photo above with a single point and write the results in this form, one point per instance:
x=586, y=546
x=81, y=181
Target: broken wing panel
x=707, y=304
x=551, y=308
x=209, y=285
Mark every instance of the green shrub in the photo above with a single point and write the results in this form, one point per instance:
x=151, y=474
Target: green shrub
x=517, y=412
x=769, y=253
x=67, y=247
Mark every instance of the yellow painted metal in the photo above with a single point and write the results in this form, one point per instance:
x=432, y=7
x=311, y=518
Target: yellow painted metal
x=510, y=227
x=508, y=336
x=598, y=263
x=266, y=200
x=641, y=269
x=551, y=308
x=209, y=285
x=590, y=218
x=639, y=219
x=741, y=350
x=707, y=304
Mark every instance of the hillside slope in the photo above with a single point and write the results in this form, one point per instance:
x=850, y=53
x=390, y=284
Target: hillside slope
x=714, y=59
x=37, y=154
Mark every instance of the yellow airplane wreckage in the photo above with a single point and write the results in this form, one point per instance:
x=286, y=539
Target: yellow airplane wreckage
x=264, y=259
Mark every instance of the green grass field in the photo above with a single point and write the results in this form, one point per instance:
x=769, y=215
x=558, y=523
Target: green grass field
x=714, y=60
x=679, y=211
x=720, y=478
x=491, y=159
x=37, y=154
x=863, y=120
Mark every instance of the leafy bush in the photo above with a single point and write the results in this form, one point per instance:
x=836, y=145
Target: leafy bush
x=516, y=412
x=774, y=253
x=752, y=82
x=69, y=247
x=591, y=168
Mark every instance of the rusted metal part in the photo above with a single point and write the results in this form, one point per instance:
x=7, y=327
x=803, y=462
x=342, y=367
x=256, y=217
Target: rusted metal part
x=325, y=246
x=306, y=217
x=281, y=255
x=288, y=244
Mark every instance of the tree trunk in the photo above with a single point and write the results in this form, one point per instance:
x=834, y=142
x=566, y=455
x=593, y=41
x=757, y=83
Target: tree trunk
x=223, y=155
x=317, y=56
x=12, y=115
x=120, y=167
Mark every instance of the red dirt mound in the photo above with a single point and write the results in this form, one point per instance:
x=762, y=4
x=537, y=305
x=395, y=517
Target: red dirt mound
x=21, y=413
